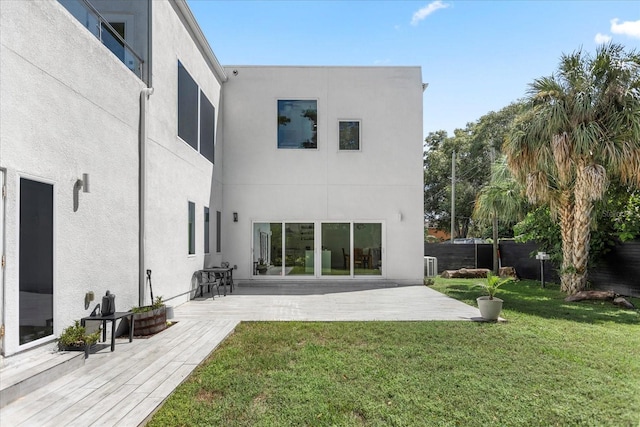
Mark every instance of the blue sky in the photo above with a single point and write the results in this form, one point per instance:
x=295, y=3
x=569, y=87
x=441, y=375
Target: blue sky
x=477, y=56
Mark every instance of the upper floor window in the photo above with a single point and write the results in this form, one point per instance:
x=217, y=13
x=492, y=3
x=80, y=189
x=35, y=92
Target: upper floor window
x=196, y=115
x=297, y=124
x=349, y=135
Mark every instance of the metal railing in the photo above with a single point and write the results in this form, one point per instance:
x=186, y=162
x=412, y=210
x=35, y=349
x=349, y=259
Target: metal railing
x=92, y=20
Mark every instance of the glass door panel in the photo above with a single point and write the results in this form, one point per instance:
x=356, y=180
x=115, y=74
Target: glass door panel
x=299, y=249
x=367, y=249
x=267, y=248
x=336, y=246
x=36, y=260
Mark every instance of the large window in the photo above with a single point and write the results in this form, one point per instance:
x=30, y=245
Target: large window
x=36, y=260
x=192, y=228
x=187, y=107
x=349, y=135
x=196, y=115
x=297, y=124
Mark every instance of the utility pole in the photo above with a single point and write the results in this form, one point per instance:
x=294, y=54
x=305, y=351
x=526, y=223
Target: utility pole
x=453, y=193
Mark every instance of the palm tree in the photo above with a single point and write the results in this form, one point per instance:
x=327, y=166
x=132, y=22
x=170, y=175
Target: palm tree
x=499, y=199
x=581, y=128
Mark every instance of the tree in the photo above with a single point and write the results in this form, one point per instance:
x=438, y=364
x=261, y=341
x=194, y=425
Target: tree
x=499, y=199
x=437, y=178
x=581, y=128
x=476, y=147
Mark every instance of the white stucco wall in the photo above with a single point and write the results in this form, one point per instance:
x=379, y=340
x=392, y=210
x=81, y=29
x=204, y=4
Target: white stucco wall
x=377, y=183
x=69, y=107
x=176, y=173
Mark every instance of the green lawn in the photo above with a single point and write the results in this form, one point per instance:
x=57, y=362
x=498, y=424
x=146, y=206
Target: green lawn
x=551, y=364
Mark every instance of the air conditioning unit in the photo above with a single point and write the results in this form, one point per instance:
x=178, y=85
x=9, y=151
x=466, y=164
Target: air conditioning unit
x=430, y=266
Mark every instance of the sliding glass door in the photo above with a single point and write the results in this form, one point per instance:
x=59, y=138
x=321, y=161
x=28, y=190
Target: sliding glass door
x=336, y=246
x=340, y=249
x=367, y=249
x=299, y=249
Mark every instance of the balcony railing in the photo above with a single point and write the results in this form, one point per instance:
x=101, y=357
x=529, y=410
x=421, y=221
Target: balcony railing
x=88, y=16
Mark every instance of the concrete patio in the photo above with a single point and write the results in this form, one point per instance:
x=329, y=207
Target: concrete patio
x=125, y=387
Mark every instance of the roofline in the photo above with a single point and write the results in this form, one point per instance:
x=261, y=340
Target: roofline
x=373, y=67
x=194, y=29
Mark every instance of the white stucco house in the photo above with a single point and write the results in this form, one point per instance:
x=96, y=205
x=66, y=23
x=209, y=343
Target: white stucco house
x=125, y=147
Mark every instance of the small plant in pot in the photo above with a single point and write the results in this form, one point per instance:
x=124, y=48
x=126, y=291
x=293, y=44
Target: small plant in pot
x=75, y=338
x=150, y=319
x=490, y=306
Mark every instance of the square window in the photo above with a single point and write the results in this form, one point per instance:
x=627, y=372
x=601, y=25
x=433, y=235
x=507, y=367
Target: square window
x=349, y=135
x=297, y=124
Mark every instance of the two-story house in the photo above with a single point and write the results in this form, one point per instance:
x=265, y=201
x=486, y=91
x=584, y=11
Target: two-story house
x=125, y=147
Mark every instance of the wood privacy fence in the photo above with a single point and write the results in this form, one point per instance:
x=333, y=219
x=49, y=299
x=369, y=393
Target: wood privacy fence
x=619, y=270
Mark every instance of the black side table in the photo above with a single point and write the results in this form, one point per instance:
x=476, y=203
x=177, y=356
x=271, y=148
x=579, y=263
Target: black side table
x=112, y=318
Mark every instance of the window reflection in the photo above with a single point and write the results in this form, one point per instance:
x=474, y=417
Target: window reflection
x=299, y=249
x=336, y=244
x=36, y=260
x=297, y=124
x=349, y=135
x=367, y=249
x=267, y=248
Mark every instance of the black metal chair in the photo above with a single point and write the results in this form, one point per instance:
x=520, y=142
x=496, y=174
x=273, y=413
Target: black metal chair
x=204, y=279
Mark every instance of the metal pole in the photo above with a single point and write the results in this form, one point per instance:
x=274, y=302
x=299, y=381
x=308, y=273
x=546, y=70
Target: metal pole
x=453, y=194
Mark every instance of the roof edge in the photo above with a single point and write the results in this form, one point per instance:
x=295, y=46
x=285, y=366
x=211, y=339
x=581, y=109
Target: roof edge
x=194, y=29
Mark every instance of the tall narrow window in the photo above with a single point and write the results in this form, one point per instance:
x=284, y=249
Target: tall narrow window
x=187, y=107
x=207, y=127
x=206, y=230
x=218, y=231
x=36, y=260
x=192, y=228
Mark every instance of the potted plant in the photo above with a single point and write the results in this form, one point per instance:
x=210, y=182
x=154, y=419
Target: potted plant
x=490, y=306
x=75, y=338
x=150, y=319
x=262, y=267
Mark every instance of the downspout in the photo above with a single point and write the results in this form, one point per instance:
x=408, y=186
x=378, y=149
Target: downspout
x=142, y=189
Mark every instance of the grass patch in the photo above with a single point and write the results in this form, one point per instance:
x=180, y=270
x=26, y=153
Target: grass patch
x=552, y=364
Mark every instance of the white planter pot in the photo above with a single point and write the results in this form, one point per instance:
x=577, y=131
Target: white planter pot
x=489, y=308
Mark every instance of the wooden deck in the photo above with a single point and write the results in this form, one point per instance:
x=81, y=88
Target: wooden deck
x=122, y=388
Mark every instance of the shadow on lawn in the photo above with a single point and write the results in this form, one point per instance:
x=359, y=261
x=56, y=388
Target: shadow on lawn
x=527, y=297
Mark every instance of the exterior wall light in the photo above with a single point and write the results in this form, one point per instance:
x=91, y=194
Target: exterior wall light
x=83, y=183
x=235, y=217
x=80, y=184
